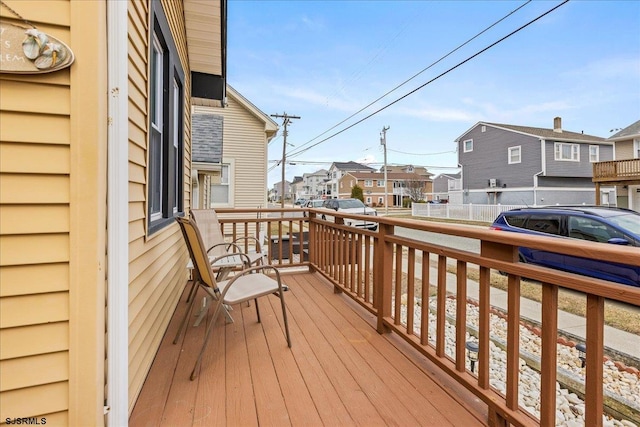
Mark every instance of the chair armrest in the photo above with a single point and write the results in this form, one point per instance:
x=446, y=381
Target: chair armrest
x=251, y=271
x=258, y=245
x=227, y=246
x=245, y=259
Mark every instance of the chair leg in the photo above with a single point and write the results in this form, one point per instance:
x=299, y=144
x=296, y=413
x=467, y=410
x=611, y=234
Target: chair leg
x=257, y=309
x=206, y=339
x=192, y=291
x=284, y=316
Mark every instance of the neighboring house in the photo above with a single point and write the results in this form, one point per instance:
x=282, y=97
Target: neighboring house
x=445, y=184
x=297, y=188
x=420, y=170
x=95, y=165
x=400, y=187
x=313, y=186
x=230, y=153
x=277, y=190
x=624, y=170
x=509, y=164
x=337, y=171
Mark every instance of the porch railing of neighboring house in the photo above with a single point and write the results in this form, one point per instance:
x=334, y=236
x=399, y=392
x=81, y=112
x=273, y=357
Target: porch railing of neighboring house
x=616, y=170
x=470, y=212
x=384, y=272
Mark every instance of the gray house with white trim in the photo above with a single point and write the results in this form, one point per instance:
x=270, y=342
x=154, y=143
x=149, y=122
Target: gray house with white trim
x=509, y=164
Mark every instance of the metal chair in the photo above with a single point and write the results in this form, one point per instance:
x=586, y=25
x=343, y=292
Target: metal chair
x=248, y=284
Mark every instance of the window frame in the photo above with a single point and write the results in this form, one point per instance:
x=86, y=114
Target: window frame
x=509, y=154
x=557, y=152
x=597, y=153
x=464, y=146
x=380, y=183
x=165, y=150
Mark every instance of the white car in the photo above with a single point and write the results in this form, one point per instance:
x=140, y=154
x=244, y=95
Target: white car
x=315, y=203
x=352, y=206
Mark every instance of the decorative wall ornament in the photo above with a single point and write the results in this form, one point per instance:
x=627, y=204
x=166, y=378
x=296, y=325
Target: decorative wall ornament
x=27, y=50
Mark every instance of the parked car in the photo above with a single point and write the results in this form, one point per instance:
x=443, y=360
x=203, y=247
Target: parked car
x=352, y=206
x=300, y=202
x=596, y=224
x=315, y=203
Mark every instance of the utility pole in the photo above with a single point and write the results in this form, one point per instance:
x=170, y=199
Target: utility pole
x=383, y=142
x=286, y=118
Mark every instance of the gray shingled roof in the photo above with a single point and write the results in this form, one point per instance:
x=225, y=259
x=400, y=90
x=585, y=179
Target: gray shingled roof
x=206, y=138
x=351, y=166
x=392, y=175
x=549, y=133
x=629, y=131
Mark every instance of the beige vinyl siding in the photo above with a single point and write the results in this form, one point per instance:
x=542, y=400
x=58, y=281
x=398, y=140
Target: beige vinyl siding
x=157, y=263
x=624, y=150
x=35, y=199
x=245, y=145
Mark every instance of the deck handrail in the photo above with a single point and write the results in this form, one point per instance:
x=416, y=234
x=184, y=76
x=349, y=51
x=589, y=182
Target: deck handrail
x=369, y=267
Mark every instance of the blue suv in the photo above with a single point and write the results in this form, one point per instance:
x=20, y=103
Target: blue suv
x=593, y=223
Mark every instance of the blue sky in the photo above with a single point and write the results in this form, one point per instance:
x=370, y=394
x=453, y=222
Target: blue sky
x=325, y=60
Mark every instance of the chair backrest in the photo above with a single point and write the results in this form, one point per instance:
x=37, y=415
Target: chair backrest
x=198, y=252
x=208, y=224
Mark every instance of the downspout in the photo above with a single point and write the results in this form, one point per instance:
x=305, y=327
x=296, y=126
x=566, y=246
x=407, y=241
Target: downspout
x=117, y=406
x=543, y=161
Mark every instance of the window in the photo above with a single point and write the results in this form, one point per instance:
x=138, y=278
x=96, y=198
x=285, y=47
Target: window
x=220, y=183
x=544, y=223
x=368, y=183
x=165, y=183
x=594, y=153
x=381, y=183
x=636, y=148
x=467, y=145
x=381, y=201
x=567, y=152
x=514, y=155
x=368, y=200
x=483, y=129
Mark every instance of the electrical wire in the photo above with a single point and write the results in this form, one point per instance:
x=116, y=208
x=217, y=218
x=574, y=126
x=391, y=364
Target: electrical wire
x=459, y=64
x=416, y=74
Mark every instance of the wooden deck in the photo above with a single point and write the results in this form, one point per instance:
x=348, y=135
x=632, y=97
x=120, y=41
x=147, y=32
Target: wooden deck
x=339, y=371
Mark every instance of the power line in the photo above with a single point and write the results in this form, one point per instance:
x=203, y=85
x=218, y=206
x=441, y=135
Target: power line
x=422, y=154
x=433, y=79
x=415, y=75
x=286, y=119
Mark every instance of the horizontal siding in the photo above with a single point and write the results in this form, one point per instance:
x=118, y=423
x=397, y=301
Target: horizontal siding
x=157, y=271
x=34, y=158
x=35, y=400
x=51, y=129
x=34, y=309
x=27, y=219
x=34, y=249
x=35, y=370
x=624, y=150
x=33, y=340
x=34, y=189
x=50, y=99
x=34, y=279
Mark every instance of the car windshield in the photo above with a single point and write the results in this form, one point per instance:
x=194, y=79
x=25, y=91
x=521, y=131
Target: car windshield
x=350, y=203
x=629, y=222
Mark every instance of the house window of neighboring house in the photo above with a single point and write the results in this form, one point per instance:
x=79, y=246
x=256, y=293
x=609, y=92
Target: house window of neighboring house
x=567, y=152
x=514, y=155
x=380, y=200
x=594, y=153
x=368, y=200
x=381, y=183
x=221, y=187
x=368, y=183
x=636, y=149
x=334, y=175
x=341, y=186
x=166, y=128
x=483, y=129
x=467, y=145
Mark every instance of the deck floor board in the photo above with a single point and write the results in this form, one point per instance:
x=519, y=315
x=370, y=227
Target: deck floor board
x=339, y=371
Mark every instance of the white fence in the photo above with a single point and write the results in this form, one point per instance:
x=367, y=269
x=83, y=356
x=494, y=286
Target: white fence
x=486, y=213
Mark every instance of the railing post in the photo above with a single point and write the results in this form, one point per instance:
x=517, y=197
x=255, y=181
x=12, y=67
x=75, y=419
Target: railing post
x=383, y=274
x=313, y=247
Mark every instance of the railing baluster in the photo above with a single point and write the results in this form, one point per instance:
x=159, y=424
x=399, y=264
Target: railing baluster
x=595, y=353
x=424, y=316
x=513, y=341
x=461, y=314
x=398, y=289
x=411, y=260
x=441, y=313
x=484, y=304
x=367, y=269
x=549, y=354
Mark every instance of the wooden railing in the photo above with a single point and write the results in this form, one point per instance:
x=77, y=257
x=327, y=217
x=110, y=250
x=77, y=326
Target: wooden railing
x=384, y=273
x=616, y=170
